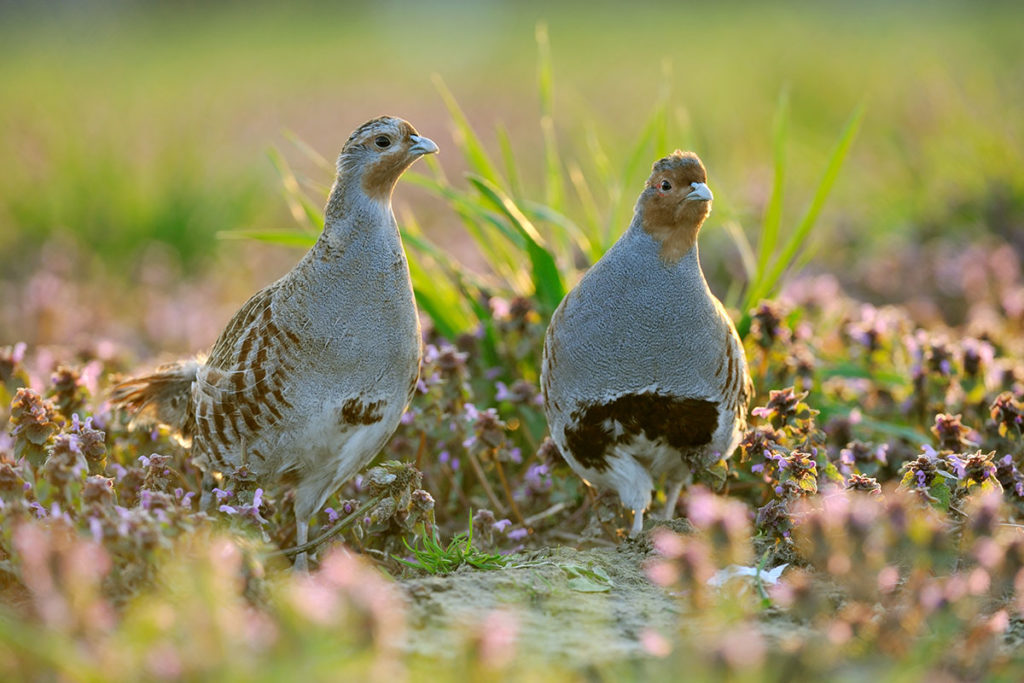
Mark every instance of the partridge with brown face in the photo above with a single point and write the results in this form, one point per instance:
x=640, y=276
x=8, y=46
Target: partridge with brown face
x=644, y=376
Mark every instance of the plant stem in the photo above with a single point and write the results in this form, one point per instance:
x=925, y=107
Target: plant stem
x=475, y=462
x=508, y=491
x=363, y=509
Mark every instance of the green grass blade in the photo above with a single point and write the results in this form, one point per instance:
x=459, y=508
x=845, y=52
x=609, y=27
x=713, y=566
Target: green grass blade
x=437, y=296
x=508, y=158
x=797, y=242
x=639, y=159
x=591, y=213
x=466, y=138
x=285, y=238
x=547, y=279
x=554, y=190
x=504, y=256
x=574, y=234
x=302, y=209
x=769, y=238
x=318, y=159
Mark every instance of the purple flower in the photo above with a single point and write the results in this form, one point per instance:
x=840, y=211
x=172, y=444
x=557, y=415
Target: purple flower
x=221, y=494
x=922, y=479
x=227, y=509
x=958, y=465
x=757, y=468
x=501, y=524
x=518, y=534
x=185, y=499
x=502, y=393
x=515, y=454
x=430, y=353
x=332, y=515
x=537, y=478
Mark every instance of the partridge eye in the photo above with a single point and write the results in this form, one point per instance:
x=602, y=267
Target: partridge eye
x=382, y=141
x=665, y=186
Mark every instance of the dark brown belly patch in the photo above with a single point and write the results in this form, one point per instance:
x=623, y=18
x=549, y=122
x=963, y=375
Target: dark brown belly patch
x=682, y=423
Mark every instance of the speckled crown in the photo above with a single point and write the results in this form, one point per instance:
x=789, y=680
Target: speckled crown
x=679, y=159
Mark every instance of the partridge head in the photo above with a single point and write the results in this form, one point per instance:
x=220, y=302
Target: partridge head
x=644, y=377
x=310, y=377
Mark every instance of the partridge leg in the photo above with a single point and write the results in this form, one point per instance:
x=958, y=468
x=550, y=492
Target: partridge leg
x=672, y=495
x=301, y=536
x=638, y=523
x=206, y=497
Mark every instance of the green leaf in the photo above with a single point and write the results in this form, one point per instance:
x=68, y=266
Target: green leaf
x=286, y=238
x=768, y=242
x=798, y=239
x=547, y=279
x=590, y=579
x=940, y=491
x=554, y=190
x=767, y=281
x=508, y=158
x=305, y=213
x=583, y=585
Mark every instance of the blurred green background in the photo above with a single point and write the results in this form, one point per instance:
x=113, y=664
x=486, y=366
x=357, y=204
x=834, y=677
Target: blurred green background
x=131, y=134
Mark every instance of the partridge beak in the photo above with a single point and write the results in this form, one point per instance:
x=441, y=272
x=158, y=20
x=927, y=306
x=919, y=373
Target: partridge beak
x=422, y=145
x=701, y=192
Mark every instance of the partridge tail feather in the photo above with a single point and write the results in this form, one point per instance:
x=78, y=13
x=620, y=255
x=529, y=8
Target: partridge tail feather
x=163, y=396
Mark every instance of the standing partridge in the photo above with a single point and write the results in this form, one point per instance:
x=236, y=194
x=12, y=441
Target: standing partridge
x=643, y=374
x=310, y=378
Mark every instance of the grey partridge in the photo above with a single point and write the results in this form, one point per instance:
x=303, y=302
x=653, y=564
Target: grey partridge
x=644, y=376
x=310, y=378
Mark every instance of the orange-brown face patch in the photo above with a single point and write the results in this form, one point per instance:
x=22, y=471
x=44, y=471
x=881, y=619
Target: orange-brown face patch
x=666, y=214
x=380, y=176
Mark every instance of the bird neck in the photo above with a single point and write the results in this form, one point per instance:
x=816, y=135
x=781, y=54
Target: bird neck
x=345, y=194
x=677, y=242
x=352, y=218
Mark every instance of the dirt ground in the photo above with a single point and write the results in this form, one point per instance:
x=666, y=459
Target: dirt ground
x=574, y=606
